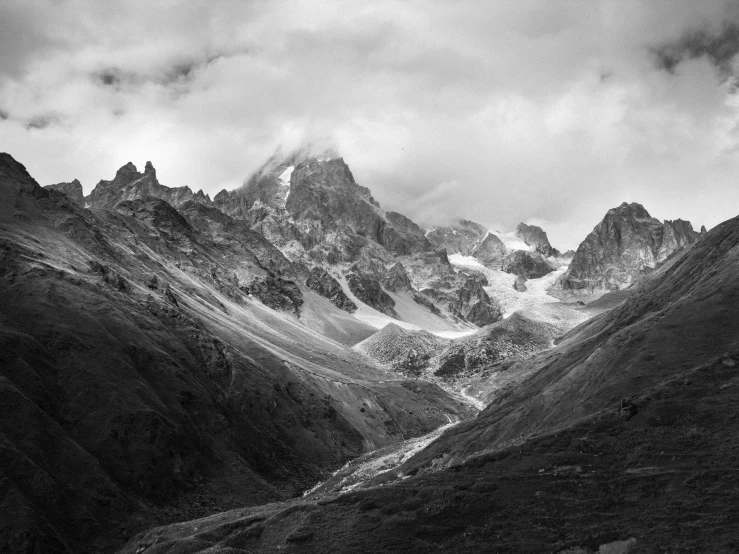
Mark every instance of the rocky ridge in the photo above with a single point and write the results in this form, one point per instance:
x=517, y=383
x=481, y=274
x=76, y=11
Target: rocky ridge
x=72, y=189
x=529, y=258
x=627, y=243
x=310, y=208
x=130, y=184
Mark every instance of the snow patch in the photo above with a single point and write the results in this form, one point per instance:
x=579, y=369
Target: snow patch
x=512, y=241
x=284, y=179
x=454, y=334
x=466, y=261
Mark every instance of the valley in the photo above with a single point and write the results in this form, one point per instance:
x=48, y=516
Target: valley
x=265, y=357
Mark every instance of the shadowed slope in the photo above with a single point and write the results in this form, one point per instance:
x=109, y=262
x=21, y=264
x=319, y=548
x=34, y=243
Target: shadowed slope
x=142, y=381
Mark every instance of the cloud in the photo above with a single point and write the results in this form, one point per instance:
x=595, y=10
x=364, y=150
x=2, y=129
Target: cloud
x=718, y=47
x=497, y=111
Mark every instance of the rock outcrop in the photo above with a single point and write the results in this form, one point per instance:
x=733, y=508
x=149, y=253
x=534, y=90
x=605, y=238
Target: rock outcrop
x=368, y=290
x=529, y=265
x=458, y=293
x=396, y=278
x=520, y=284
x=536, y=237
x=72, y=189
x=627, y=242
x=490, y=251
x=324, y=284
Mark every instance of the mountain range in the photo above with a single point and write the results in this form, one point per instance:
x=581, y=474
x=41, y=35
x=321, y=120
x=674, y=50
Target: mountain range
x=166, y=356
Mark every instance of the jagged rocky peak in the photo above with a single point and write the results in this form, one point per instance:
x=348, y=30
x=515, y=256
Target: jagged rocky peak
x=270, y=184
x=73, y=190
x=461, y=237
x=537, y=238
x=626, y=243
x=130, y=184
x=307, y=197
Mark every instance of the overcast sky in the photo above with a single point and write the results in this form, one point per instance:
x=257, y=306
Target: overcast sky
x=544, y=111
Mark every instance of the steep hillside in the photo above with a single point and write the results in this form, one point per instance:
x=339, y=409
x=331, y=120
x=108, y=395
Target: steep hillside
x=157, y=365
x=72, y=189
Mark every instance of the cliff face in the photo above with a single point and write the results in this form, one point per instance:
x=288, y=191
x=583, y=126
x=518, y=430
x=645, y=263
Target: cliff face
x=627, y=242
x=320, y=281
x=529, y=265
x=491, y=250
x=73, y=190
x=536, y=237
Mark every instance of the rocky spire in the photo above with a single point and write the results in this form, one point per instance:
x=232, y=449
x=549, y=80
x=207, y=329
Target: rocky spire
x=129, y=184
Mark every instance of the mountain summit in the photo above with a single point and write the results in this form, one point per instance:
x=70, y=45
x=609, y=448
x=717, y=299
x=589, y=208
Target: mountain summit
x=626, y=243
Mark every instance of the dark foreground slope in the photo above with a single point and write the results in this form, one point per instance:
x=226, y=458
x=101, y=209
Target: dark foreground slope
x=553, y=465
x=144, y=379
